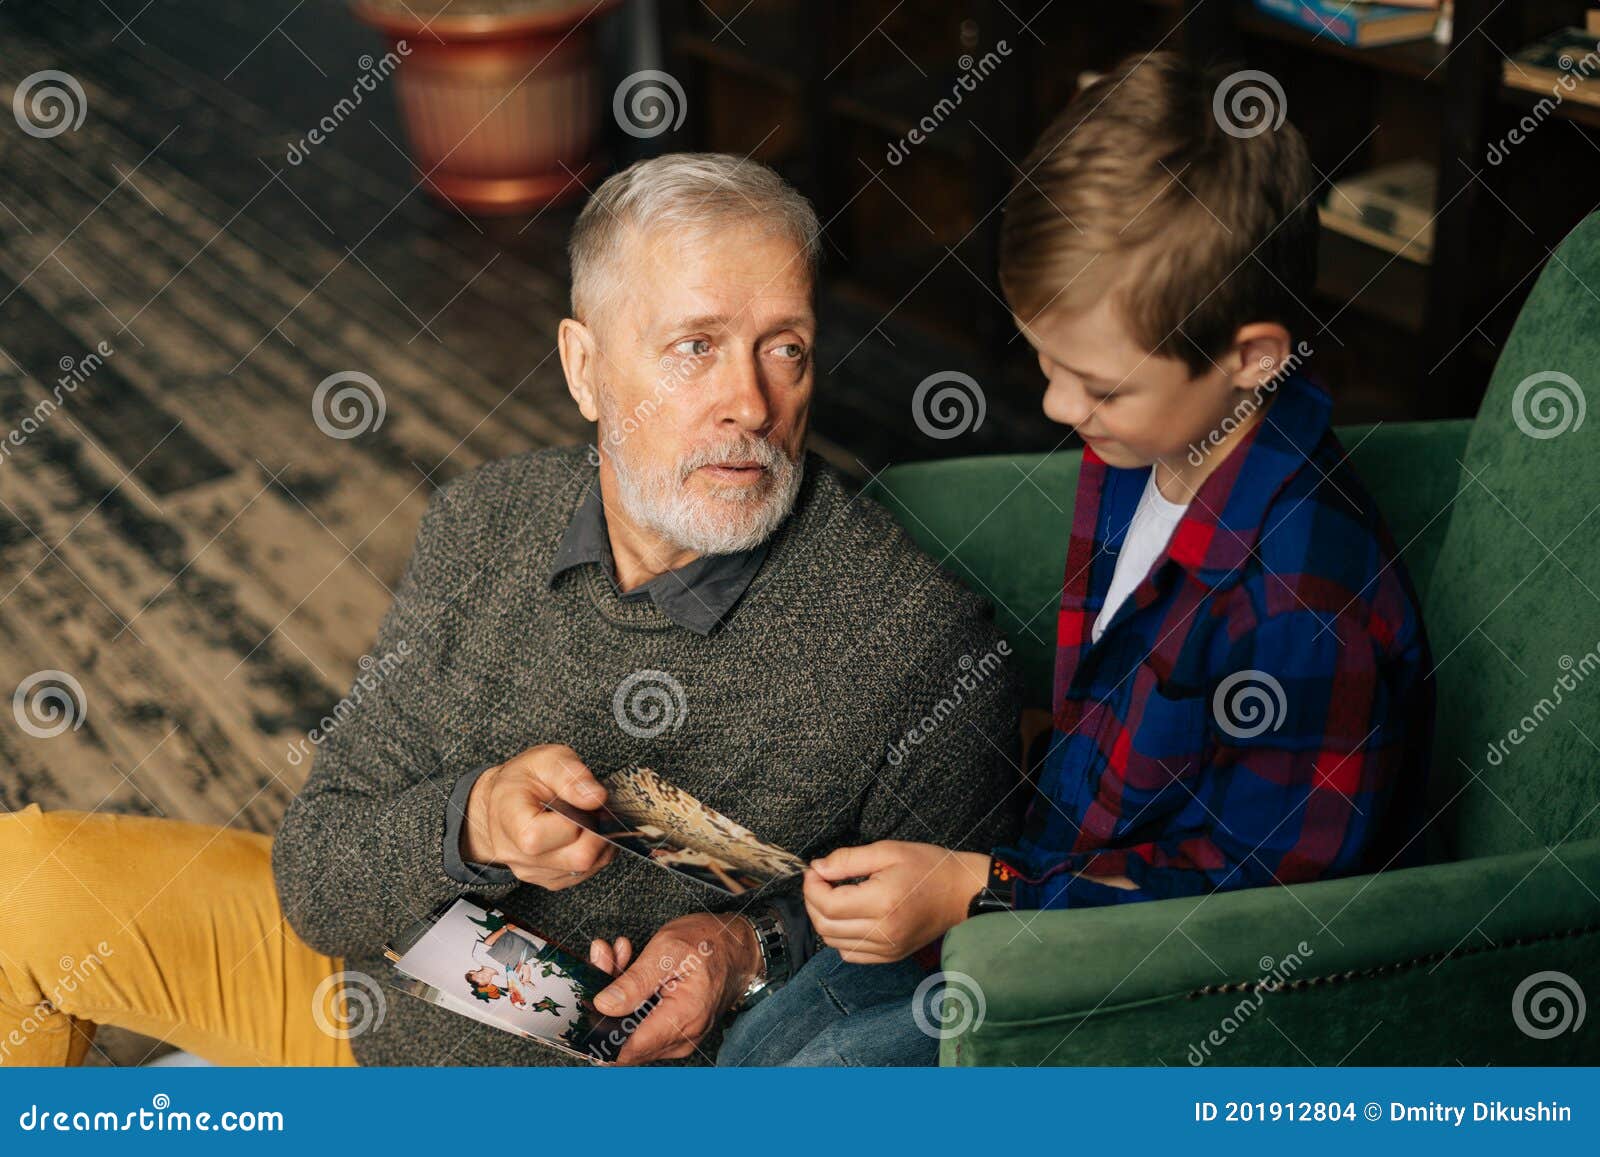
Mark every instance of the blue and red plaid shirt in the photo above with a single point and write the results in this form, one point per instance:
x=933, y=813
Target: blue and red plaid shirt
x=1260, y=709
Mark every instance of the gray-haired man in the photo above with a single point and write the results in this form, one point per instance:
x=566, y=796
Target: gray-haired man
x=707, y=600
x=700, y=597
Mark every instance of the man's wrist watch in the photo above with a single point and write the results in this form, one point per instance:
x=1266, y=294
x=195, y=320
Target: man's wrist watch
x=998, y=893
x=773, y=945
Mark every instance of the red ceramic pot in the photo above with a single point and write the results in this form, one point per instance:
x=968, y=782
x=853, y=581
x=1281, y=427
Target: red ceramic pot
x=500, y=109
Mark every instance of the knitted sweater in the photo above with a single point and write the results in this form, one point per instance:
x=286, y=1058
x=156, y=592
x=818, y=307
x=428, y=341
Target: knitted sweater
x=791, y=718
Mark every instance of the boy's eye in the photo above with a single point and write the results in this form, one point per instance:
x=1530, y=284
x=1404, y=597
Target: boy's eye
x=693, y=347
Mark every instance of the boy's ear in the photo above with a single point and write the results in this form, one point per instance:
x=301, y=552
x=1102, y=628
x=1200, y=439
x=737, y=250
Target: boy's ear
x=1260, y=350
x=580, y=362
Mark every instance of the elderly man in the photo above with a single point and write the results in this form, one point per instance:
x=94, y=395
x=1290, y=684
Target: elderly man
x=694, y=594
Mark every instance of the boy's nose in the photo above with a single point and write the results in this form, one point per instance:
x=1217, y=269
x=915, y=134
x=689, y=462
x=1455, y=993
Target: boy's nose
x=1066, y=405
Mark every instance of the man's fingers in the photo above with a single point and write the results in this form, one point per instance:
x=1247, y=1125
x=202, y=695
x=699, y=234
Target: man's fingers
x=624, y=952
x=843, y=863
x=671, y=1029
x=582, y=856
x=638, y=982
x=566, y=776
x=601, y=957
x=537, y=831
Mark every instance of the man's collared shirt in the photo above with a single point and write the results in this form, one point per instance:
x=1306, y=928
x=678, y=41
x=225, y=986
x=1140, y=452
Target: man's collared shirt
x=1260, y=708
x=697, y=596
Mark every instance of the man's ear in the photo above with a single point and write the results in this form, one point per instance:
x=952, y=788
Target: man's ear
x=1260, y=350
x=580, y=361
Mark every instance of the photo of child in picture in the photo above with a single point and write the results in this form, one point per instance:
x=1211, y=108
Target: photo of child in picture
x=507, y=960
x=515, y=980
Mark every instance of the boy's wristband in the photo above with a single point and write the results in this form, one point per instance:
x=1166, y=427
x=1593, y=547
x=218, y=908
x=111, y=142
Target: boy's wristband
x=998, y=894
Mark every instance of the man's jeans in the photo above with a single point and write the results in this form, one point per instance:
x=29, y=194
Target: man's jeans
x=833, y=1013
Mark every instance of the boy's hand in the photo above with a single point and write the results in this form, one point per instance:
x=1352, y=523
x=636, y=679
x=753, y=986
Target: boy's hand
x=913, y=894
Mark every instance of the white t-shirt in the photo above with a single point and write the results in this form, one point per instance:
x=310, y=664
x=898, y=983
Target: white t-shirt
x=1148, y=533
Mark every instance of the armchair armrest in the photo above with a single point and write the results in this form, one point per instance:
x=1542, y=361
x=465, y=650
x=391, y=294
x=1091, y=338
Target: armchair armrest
x=1415, y=966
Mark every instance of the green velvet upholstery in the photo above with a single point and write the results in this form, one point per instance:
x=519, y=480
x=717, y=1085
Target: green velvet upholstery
x=1518, y=594
x=1405, y=967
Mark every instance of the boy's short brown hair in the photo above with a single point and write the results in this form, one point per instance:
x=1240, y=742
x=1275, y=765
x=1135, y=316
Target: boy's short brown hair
x=1161, y=185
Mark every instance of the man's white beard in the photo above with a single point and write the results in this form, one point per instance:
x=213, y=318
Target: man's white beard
x=726, y=520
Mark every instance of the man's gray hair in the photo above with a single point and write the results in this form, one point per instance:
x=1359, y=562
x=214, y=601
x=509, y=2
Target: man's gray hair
x=680, y=191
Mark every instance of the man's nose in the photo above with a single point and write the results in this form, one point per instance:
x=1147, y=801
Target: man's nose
x=742, y=397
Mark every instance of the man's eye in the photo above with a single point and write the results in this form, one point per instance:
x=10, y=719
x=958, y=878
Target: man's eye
x=693, y=347
x=791, y=349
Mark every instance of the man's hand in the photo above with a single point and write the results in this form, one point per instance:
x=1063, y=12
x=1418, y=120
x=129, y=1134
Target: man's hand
x=507, y=821
x=912, y=894
x=699, y=965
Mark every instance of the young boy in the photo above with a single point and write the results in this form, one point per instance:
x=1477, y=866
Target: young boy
x=1242, y=692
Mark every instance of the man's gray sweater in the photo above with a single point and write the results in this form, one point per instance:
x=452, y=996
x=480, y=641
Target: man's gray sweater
x=792, y=720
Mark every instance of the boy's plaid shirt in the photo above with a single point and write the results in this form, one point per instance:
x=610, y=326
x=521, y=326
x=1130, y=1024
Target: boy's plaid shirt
x=1260, y=709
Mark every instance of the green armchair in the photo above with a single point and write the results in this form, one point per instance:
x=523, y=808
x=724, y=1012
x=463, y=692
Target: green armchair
x=1487, y=954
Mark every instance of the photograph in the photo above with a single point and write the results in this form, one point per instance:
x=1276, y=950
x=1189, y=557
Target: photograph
x=524, y=984
x=649, y=817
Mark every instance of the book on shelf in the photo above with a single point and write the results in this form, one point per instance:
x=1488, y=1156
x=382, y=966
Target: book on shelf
x=1564, y=63
x=1390, y=207
x=1357, y=25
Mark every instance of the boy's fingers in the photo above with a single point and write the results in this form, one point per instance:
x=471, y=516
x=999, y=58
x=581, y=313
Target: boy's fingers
x=843, y=863
x=834, y=932
x=866, y=901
